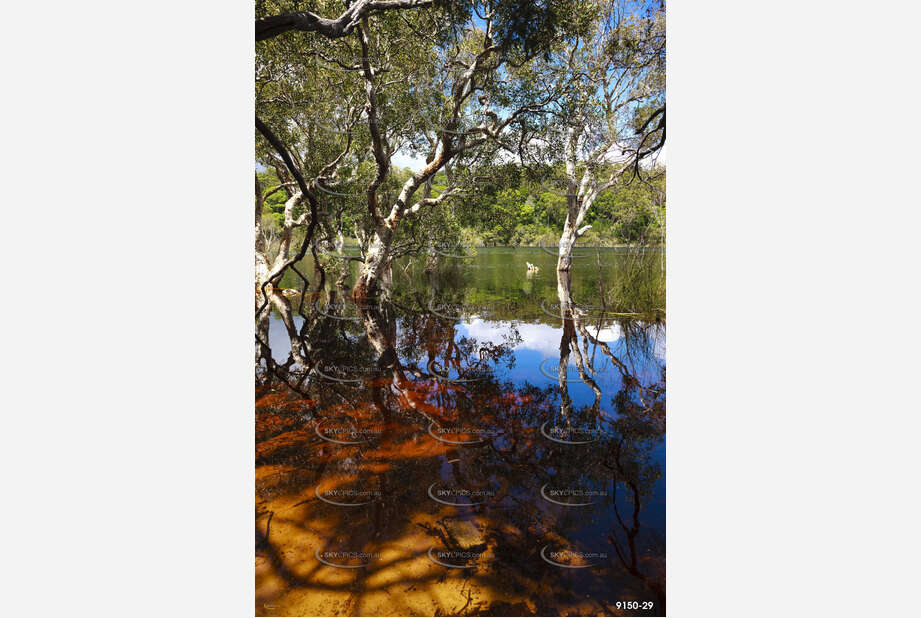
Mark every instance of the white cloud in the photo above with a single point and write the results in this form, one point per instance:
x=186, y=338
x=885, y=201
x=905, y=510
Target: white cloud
x=545, y=339
x=402, y=159
x=538, y=337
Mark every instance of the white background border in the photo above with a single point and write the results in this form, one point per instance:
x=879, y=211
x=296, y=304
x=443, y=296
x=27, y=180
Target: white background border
x=792, y=303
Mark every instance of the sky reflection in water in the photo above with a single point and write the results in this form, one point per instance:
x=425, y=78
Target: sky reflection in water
x=510, y=482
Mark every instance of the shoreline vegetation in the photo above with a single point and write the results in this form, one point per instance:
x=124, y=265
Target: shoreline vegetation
x=535, y=124
x=510, y=211
x=546, y=243
x=386, y=297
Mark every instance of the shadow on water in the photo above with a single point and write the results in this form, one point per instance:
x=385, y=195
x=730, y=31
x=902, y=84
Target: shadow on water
x=463, y=448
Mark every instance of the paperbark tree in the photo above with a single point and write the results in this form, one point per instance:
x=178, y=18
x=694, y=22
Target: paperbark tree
x=269, y=26
x=469, y=78
x=301, y=152
x=612, y=117
x=436, y=81
x=268, y=265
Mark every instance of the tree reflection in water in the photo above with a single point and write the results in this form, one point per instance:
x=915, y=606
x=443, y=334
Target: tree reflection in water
x=404, y=467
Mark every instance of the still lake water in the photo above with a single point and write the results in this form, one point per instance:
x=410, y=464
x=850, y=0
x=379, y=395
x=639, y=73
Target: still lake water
x=470, y=446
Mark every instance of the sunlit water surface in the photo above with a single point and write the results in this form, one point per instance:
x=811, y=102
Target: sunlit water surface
x=439, y=457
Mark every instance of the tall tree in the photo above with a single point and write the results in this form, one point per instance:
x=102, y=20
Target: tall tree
x=612, y=116
x=284, y=84
x=444, y=82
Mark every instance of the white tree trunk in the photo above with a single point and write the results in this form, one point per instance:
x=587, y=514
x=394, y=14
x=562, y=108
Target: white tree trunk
x=262, y=331
x=375, y=274
x=262, y=262
x=568, y=240
x=266, y=266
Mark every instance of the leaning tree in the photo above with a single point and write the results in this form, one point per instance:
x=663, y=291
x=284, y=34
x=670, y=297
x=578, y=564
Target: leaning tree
x=444, y=83
x=462, y=87
x=286, y=35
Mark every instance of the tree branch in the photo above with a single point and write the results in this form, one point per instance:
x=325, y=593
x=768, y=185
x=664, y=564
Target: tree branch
x=305, y=21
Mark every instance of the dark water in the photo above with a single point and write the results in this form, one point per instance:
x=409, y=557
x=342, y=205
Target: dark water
x=433, y=454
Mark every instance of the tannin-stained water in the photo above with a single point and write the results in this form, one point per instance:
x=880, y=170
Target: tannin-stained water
x=484, y=442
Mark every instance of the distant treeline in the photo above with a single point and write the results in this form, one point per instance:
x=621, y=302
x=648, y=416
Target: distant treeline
x=509, y=205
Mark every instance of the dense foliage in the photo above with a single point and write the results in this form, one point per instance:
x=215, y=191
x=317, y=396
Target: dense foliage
x=536, y=123
x=507, y=207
